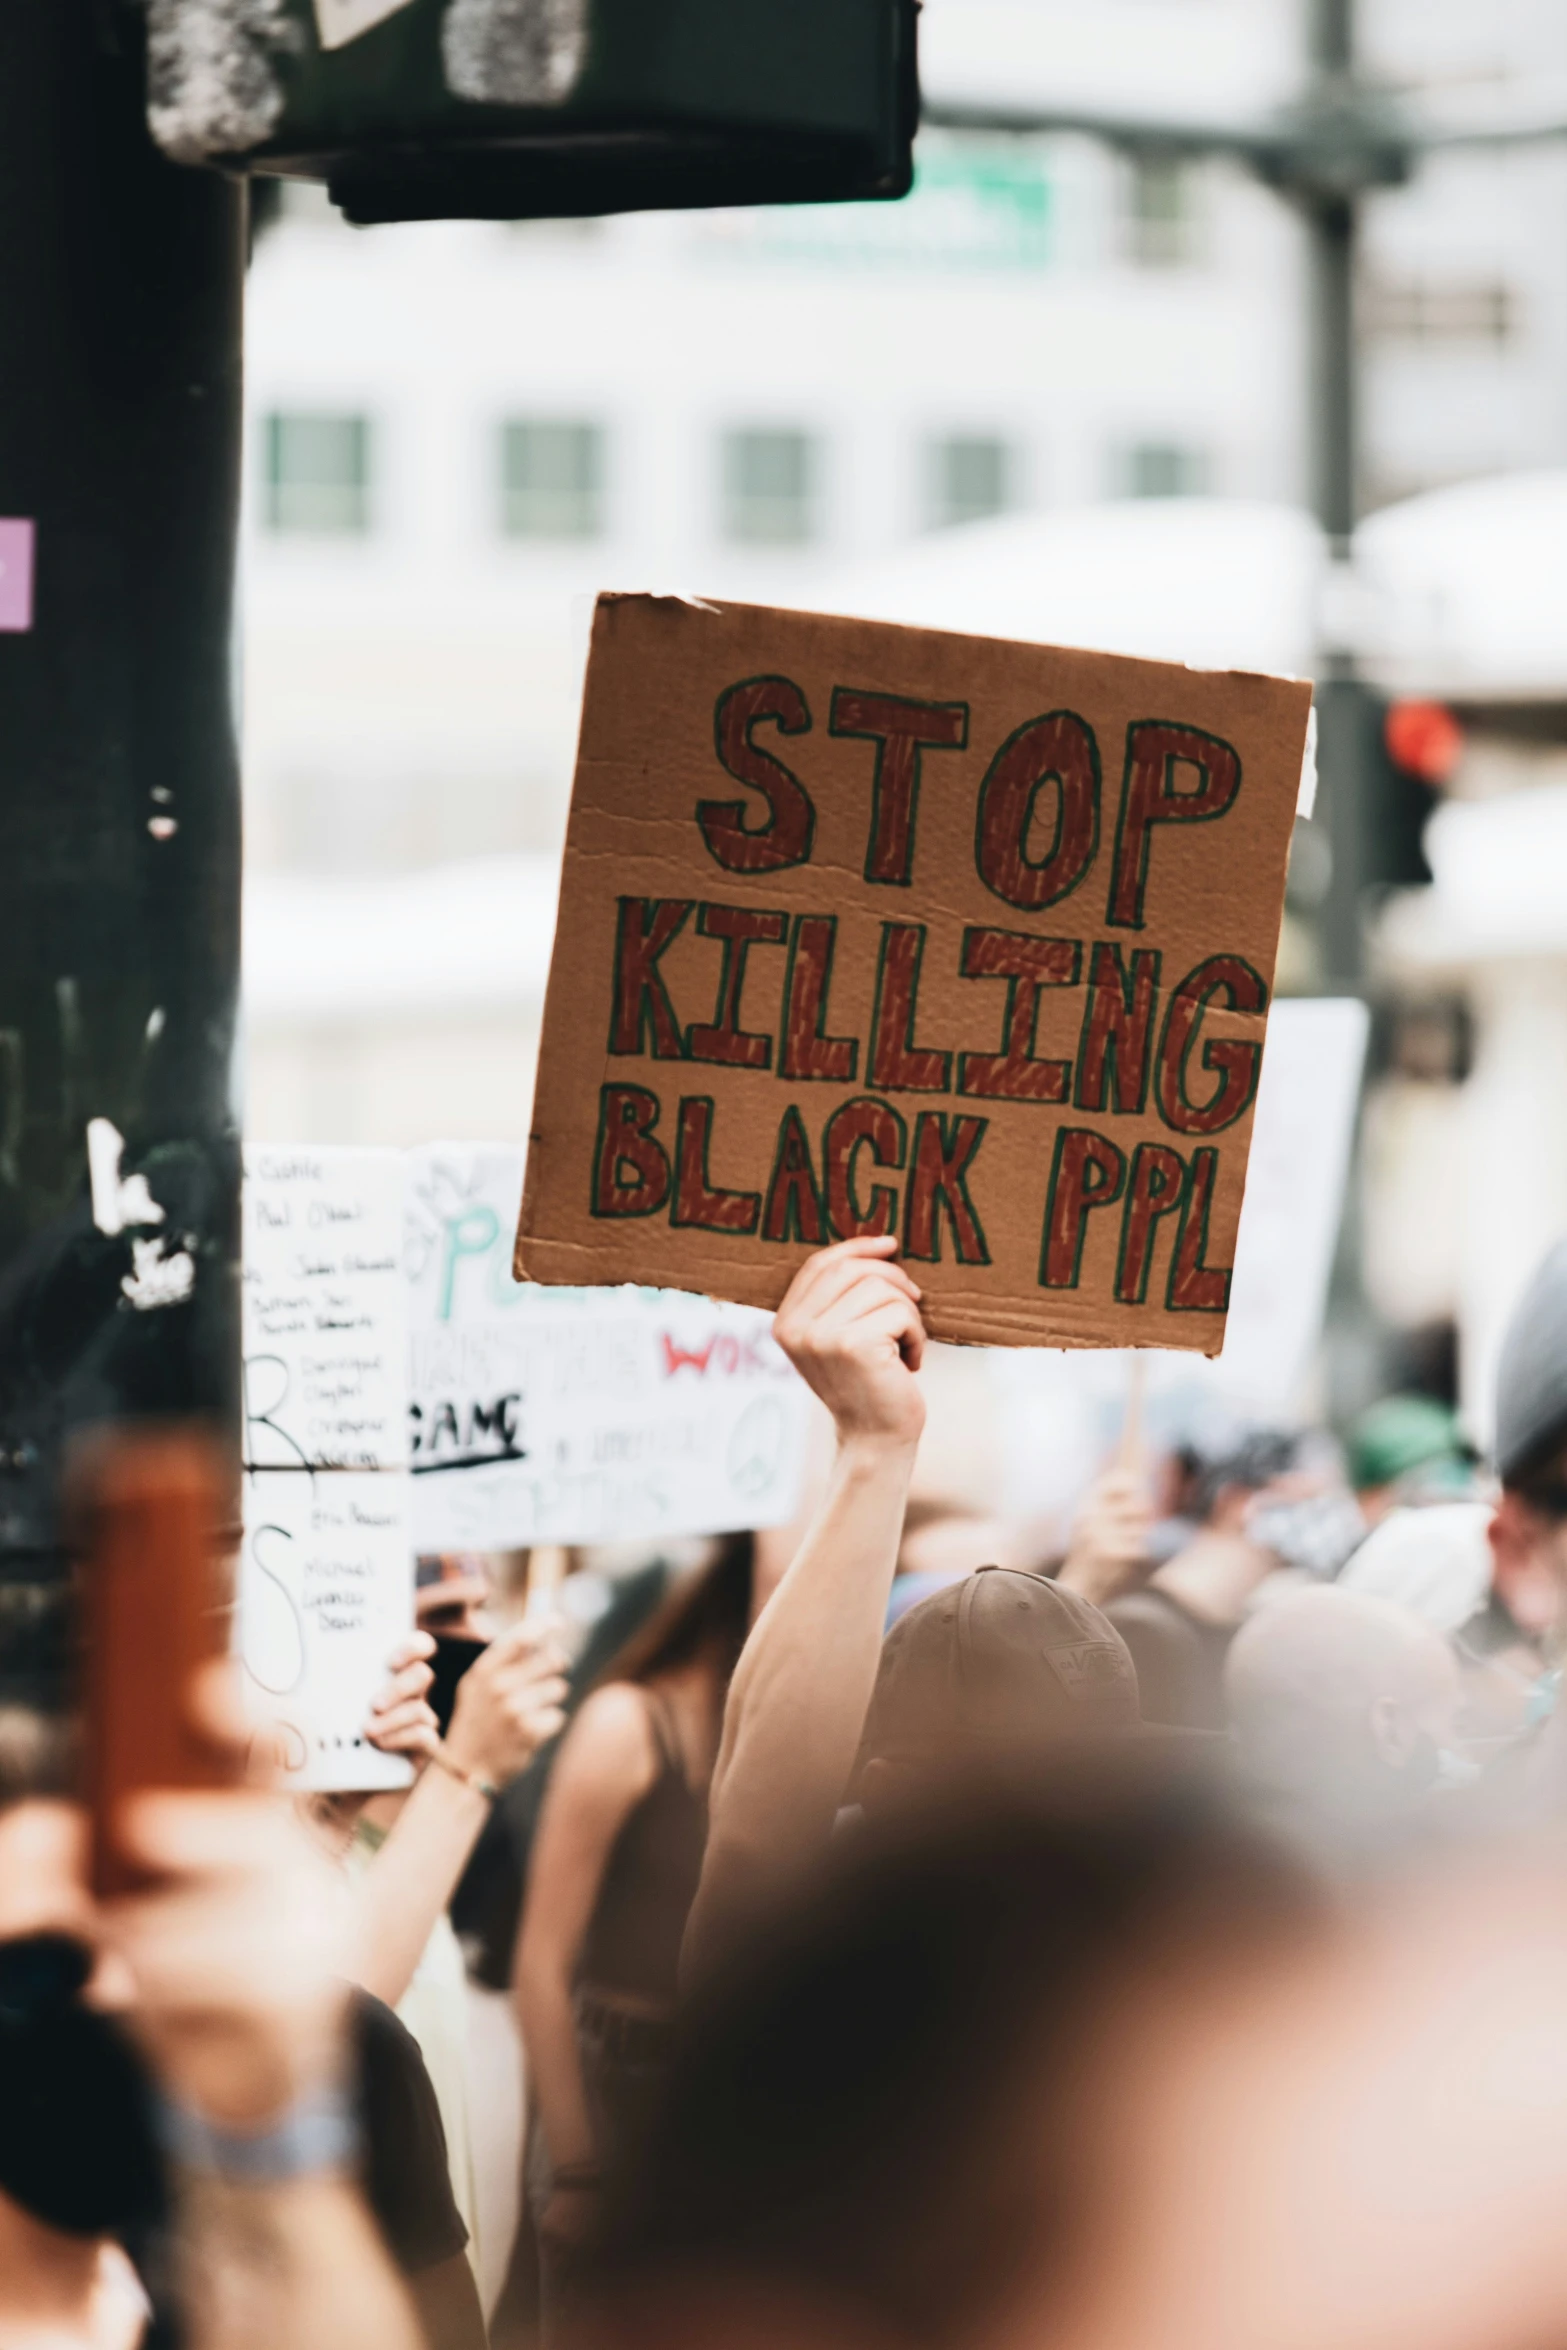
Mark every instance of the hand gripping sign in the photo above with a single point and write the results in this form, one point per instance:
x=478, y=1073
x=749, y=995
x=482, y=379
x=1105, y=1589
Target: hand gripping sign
x=868, y=929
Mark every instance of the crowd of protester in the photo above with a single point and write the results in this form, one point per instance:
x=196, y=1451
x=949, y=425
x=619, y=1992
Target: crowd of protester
x=1163, y=1940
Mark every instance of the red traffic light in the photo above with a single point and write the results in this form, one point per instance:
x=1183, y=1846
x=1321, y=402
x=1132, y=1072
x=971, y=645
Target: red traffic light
x=1424, y=739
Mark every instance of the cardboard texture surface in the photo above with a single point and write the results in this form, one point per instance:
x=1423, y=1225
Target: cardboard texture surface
x=867, y=928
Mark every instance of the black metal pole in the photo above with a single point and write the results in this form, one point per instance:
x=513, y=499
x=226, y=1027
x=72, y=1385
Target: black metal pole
x=1334, y=437
x=1346, y=716
x=120, y=286
x=1331, y=35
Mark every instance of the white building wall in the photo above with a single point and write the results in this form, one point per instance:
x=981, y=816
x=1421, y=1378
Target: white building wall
x=411, y=695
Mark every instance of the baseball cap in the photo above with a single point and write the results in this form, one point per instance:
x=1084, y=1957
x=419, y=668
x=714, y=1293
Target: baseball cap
x=1002, y=1658
x=1398, y=1435
x=1531, y=1383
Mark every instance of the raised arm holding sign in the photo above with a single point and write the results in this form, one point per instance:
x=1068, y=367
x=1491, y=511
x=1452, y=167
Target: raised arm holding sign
x=878, y=931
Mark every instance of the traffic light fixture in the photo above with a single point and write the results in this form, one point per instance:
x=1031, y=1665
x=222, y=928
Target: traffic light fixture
x=517, y=109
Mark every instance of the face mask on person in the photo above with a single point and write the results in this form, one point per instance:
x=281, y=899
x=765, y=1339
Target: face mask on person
x=1315, y=1533
x=77, y=2143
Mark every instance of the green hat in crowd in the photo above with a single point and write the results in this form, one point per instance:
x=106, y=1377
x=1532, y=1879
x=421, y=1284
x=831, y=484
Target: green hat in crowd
x=1403, y=1433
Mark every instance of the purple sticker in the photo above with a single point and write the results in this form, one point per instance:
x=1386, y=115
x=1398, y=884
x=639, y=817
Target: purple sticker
x=16, y=574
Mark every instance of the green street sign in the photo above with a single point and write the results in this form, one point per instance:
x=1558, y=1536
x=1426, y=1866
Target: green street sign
x=975, y=205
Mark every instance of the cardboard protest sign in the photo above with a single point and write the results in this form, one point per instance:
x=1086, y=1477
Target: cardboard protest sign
x=580, y=1415
x=326, y=1593
x=870, y=929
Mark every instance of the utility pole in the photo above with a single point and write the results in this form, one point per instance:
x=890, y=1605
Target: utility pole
x=121, y=275
x=1329, y=201
x=1341, y=139
x=120, y=285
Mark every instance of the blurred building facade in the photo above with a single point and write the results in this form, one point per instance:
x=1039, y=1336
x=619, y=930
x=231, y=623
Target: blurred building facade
x=460, y=432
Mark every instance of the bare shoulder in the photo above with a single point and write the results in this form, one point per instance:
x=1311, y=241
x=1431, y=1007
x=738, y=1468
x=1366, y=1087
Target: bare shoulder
x=611, y=1737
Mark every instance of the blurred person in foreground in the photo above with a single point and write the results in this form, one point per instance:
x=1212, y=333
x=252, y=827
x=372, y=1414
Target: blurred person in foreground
x=1495, y=1579
x=405, y=1852
x=990, y=1674
x=1113, y=2077
x=1435, y=1561
x=614, y=1871
x=1344, y=1712
x=1529, y=1528
x=198, y=2027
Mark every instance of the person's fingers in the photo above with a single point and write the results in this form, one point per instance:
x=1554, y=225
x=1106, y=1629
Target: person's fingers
x=863, y=1303
x=530, y=1695
x=855, y=1288
x=862, y=1335
x=414, y=1715
x=525, y=1647
x=420, y=1741
x=830, y=1272
x=414, y=1650
x=517, y=1640
x=821, y=1275
x=412, y=1681
x=863, y=1244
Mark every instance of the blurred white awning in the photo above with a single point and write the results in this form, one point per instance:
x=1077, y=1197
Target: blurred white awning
x=1216, y=583
x=1498, y=869
x=1469, y=589
x=472, y=937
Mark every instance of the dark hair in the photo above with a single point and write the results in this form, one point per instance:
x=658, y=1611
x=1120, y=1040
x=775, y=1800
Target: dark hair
x=709, y=1611
x=1540, y=1478
x=1252, y=1464
x=877, y=2108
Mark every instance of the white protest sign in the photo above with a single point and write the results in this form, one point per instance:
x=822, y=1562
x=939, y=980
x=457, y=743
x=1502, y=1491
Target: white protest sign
x=1061, y=1413
x=577, y=1415
x=325, y=1310
x=1300, y=1145
x=326, y=1594
x=326, y=1575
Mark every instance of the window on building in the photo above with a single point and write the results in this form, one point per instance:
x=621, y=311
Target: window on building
x=968, y=476
x=317, y=473
x=769, y=488
x=552, y=480
x=1161, y=215
x=1163, y=469
x=1424, y=310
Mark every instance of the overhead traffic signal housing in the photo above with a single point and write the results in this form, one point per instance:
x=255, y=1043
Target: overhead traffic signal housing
x=517, y=109
x=1421, y=744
